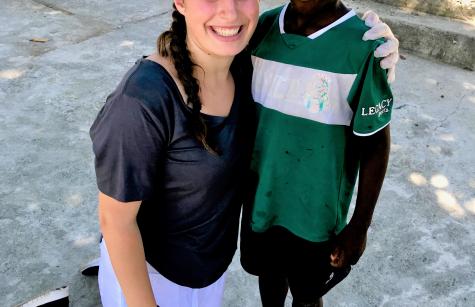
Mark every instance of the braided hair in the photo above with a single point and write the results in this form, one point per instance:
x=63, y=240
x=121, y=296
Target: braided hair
x=172, y=43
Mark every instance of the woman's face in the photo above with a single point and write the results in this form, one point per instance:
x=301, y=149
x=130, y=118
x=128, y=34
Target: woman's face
x=219, y=27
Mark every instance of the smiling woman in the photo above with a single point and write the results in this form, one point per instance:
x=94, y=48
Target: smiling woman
x=171, y=153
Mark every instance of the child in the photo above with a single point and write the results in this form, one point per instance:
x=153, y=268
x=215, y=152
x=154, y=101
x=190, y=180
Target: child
x=324, y=107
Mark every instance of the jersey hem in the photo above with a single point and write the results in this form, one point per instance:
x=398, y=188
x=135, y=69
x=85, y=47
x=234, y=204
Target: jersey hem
x=316, y=239
x=371, y=133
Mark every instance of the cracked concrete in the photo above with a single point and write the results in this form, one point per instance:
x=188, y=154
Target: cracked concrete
x=421, y=243
x=53, y=7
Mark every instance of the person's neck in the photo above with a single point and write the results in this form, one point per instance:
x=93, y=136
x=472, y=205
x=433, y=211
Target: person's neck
x=307, y=17
x=210, y=69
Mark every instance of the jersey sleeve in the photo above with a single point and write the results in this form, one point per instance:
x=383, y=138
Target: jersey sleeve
x=371, y=99
x=128, y=142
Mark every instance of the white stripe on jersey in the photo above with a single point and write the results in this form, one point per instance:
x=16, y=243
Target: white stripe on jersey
x=303, y=92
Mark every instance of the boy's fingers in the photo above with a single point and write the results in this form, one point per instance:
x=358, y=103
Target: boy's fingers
x=338, y=263
x=371, y=18
x=336, y=258
x=334, y=255
x=335, y=264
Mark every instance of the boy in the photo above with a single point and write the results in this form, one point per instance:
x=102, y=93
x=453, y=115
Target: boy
x=324, y=106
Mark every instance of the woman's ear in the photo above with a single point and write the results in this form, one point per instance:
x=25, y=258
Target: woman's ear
x=180, y=6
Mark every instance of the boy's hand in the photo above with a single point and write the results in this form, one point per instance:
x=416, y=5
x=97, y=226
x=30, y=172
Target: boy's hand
x=389, y=50
x=348, y=247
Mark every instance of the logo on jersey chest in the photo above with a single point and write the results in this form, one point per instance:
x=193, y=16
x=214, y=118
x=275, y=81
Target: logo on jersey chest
x=316, y=98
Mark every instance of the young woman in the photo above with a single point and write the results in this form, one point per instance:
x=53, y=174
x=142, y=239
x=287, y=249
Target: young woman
x=172, y=146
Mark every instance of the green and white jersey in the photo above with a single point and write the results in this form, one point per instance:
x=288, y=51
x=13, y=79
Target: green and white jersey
x=312, y=94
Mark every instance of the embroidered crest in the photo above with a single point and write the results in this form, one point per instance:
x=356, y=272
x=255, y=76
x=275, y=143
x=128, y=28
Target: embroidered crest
x=316, y=99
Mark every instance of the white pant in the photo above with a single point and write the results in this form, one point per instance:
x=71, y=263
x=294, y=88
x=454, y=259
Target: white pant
x=166, y=292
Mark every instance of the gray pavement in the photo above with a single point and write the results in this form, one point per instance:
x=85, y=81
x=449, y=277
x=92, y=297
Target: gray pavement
x=449, y=8
x=447, y=40
x=421, y=248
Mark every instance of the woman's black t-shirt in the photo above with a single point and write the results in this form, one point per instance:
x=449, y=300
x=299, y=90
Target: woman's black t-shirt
x=191, y=198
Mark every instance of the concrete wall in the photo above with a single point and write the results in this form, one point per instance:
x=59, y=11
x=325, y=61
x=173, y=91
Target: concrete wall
x=461, y=9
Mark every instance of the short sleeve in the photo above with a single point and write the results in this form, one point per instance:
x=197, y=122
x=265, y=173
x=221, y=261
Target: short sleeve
x=128, y=142
x=371, y=99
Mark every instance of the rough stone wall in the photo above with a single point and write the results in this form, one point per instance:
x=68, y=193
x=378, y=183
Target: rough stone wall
x=461, y=9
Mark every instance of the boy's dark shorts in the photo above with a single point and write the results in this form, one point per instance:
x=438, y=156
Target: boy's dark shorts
x=278, y=253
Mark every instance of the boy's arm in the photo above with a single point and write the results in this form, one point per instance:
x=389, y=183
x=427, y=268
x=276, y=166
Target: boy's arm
x=351, y=242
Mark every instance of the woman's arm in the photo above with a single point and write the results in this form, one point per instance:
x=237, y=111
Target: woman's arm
x=124, y=244
x=389, y=50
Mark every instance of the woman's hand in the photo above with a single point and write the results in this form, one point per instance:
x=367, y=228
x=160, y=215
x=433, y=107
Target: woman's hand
x=389, y=50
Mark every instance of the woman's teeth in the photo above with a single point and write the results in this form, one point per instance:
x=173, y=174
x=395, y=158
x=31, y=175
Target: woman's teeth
x=226, y=32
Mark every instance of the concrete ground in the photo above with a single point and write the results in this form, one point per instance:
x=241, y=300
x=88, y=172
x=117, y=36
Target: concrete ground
x=421, y=248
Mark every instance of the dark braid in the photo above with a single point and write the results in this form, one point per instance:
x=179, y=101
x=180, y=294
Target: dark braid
x=172, y=43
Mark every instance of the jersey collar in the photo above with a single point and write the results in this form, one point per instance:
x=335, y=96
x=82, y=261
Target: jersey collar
x=321, y=31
